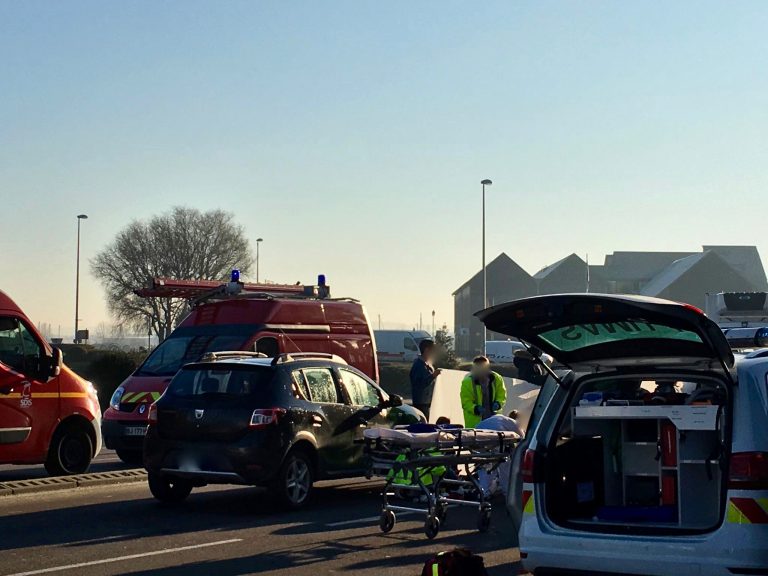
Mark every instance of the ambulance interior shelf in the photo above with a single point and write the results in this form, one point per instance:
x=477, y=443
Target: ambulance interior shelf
x=643, y=464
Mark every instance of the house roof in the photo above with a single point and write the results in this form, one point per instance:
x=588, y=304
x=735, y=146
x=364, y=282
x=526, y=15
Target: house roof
x=671, y=274
x=500, y=260
x=746, y=261
x=547, y=270
x=638, y=265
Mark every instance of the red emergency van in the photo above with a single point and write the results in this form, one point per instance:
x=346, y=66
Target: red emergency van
x=272, y=319
x=48, y=414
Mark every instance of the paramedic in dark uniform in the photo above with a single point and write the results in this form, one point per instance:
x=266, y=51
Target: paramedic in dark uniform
x=423, y=376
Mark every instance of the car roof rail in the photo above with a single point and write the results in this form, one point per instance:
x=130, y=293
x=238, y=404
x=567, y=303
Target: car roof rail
x=292, y=356
x=210, y=356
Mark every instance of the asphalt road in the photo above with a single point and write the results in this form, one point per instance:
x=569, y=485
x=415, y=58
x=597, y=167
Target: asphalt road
x=106, y=461
x=230, y=530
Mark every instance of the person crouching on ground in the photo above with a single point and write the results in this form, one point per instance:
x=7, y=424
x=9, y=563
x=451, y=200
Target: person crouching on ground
x=483, y=392
x=423, y=376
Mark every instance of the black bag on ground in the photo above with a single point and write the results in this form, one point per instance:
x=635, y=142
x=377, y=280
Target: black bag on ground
x=457, y=562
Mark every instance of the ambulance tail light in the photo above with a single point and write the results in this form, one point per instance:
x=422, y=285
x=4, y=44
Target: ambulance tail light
x=532, y=467
x=261, y=419
x=153, y=414
x=749, y=471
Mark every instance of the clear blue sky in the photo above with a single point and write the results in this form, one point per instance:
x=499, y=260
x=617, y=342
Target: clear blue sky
x=352, y=135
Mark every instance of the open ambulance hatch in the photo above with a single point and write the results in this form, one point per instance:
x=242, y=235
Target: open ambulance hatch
x=599, y=330
x=639, y=443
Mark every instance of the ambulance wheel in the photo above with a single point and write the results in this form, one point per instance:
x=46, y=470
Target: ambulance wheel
x=387, y=521
x=484, y=520
x=167, y=489
x=431, y=527
x=131, y=457
x=70, y=452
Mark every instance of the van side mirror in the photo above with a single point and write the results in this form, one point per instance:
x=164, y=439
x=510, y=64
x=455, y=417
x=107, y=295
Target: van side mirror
x=52, y=367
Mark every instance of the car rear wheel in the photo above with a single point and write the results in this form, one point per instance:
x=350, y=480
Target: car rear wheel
x=295, y=480
x=168, y=489
x=131, y=457
x=70, y=452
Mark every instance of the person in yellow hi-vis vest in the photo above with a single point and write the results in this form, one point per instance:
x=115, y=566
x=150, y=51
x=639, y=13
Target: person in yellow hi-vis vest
x=483, y=392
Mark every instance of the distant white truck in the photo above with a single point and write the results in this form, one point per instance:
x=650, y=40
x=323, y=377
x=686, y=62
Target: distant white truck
x=502, y=351
x=399, y=345
x=738, y=309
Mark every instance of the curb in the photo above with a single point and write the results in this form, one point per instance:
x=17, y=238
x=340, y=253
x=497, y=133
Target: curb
x=56, y=483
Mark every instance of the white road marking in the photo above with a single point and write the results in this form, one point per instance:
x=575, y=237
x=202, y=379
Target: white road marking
x=363, y=520
x=123, y=558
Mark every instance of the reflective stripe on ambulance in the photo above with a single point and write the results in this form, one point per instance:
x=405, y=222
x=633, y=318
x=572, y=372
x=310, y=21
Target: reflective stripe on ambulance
x=528, y=502
x=134, y=397
x=748, y=510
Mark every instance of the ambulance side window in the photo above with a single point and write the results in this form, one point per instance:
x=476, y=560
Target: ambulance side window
x=409, y=344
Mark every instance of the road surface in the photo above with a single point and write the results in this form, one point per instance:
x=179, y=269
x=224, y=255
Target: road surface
x=230, y=530
x=106, y=461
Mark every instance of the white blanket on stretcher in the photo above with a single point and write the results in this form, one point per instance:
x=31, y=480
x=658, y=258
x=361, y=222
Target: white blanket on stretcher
x=465, y=437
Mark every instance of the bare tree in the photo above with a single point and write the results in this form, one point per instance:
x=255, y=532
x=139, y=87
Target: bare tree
x=185, y=244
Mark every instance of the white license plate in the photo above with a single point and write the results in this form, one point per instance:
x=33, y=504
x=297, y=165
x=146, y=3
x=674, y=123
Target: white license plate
x=135, y=431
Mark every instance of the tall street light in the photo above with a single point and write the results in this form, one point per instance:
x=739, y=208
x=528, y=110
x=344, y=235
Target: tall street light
x=484, y=183
x=77, y=277
x=258, y=243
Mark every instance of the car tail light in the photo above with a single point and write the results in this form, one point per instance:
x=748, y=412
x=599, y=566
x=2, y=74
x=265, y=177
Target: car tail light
x=529, y=465
x=749, y=471
x=263, y=418
x=153, y=414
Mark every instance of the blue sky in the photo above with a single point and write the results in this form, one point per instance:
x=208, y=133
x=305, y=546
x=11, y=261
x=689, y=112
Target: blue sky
x=352, y=135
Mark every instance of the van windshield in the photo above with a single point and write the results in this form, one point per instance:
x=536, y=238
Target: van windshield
x=188, y=344
x=251, y=381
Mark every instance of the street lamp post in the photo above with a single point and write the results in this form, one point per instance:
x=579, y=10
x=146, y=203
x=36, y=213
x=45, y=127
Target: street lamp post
x=77, y=277
x=484, y=183
x=433, y=323
x=258, y=243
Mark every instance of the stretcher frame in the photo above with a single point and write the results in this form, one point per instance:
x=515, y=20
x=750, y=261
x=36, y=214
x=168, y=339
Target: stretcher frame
x=466, y=451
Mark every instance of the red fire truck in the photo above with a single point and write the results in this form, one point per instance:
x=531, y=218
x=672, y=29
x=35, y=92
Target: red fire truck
x=48, y=414
x=267, y=318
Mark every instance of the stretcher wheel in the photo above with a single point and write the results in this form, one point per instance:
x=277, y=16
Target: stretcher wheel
x=431, y=527
x=387, y=521
x=484, y=520
x=441, y=511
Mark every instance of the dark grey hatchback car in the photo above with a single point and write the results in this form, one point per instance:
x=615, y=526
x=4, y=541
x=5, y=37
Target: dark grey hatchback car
x=283, y=423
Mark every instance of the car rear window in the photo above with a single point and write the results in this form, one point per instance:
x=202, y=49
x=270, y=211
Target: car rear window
x=233, y=381
x=577, y=336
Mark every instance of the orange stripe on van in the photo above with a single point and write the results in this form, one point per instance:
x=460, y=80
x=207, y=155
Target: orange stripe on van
x=748, y=510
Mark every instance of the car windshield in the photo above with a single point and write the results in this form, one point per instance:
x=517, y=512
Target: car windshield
x=188, y=344
x=224, y=380
x=577, y=336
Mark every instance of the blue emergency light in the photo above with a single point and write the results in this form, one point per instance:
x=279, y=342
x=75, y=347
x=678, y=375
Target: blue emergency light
x=235, y=275
x=321, y=280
